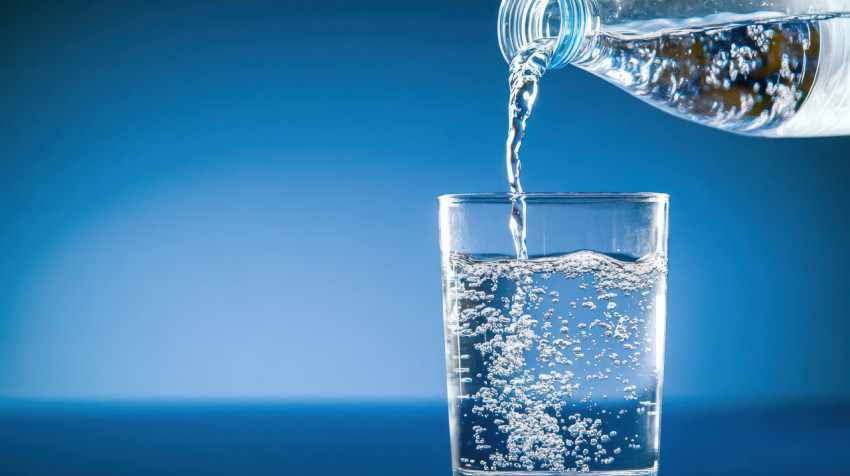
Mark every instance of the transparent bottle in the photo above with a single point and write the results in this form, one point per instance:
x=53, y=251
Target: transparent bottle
x=763, y=68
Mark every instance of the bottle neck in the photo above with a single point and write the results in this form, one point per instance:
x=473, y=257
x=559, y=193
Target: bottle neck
x=524, y=21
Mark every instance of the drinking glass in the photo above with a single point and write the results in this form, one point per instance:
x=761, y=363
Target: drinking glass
x=554, y=363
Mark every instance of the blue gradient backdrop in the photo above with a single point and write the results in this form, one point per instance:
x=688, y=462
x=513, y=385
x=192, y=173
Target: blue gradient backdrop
x=237, y=200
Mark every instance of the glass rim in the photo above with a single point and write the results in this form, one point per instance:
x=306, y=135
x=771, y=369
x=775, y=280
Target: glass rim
x=557, y=197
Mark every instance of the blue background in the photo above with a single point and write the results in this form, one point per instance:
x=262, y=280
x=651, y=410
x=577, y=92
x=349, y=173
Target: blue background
x=229, y=200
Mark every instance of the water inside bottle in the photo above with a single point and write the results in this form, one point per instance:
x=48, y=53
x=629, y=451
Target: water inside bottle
x=738, y=74
x=761, y=73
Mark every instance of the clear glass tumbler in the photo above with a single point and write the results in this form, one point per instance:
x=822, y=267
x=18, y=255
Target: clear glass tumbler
x=555, y=363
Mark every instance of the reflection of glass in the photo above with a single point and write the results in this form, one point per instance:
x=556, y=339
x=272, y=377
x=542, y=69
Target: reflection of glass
x=555, y=363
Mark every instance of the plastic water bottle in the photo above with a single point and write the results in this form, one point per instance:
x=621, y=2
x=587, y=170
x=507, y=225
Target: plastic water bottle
x=762, y=68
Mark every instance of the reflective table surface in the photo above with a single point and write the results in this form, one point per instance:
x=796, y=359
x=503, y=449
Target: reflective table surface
x=379, y=439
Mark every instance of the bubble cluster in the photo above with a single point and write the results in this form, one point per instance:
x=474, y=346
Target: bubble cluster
x=539, y=383
x=735, y=76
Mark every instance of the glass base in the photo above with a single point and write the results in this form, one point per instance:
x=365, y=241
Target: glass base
x=636, y=472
